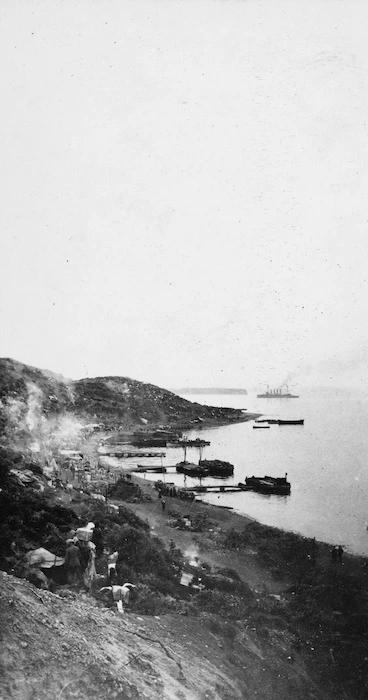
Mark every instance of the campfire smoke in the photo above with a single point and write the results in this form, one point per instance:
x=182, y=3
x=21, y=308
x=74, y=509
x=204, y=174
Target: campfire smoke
x=33, y=433
x=192, y=554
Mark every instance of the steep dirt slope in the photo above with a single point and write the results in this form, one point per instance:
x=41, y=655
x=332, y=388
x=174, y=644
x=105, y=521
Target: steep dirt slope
x=54, y=647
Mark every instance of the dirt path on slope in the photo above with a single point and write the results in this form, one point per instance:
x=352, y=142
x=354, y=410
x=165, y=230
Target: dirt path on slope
x=203, y=544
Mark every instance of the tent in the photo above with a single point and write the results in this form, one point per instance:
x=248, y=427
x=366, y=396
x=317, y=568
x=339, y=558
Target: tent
x=44, y=558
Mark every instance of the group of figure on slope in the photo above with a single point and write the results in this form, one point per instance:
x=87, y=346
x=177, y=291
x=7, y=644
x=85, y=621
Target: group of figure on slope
x=80, y=556
x=83, y=545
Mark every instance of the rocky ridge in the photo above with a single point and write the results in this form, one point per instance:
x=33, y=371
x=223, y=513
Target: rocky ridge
x=114, y=401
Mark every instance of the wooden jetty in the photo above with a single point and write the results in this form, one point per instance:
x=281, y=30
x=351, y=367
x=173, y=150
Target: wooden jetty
x=141, y=469
x=150, y=467
x=266, y=485
x=127, y=453
x=217, y=488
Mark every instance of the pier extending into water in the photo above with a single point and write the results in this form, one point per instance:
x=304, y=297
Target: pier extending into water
x=218, y=488
x=127, y=453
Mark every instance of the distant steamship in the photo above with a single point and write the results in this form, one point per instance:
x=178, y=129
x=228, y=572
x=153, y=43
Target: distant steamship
x=277, y=394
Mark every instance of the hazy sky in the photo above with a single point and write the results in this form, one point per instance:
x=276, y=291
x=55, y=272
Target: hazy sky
x=184, y=194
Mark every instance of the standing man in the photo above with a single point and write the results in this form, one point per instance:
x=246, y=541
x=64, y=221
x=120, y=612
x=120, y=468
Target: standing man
x=72, y=563
x=97, y=539
x=111, y=565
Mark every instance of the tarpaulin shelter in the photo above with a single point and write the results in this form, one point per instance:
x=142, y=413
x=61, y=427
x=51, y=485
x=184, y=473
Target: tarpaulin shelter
x=43, y=558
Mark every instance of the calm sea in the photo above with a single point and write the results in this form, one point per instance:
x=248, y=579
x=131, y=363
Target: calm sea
x=325, y=460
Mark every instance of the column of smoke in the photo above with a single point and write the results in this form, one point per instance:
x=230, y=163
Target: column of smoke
x=333, y=369
x=29, y=431
x=192, y=553
x=288, y=380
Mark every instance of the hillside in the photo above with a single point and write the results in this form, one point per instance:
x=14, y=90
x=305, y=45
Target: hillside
x=114, y=401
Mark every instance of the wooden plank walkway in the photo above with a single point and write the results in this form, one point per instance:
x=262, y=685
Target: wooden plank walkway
x=152, y=470
x=192, y=443
x=217, y=488
x=127, y=453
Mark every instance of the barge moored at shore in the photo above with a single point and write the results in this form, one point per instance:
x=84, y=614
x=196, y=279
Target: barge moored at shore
x=189, y=469
x=217, y=467
x=269, y=485
x=206, y=467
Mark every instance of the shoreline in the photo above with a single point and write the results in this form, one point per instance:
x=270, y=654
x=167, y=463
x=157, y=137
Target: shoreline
x=203, y=424
x=213, y=424
x=230, y=518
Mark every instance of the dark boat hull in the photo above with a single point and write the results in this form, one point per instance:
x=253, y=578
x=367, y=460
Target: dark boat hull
x=217, y=467
x=192, y=470
x=206, y=467
x=290, y=422
x=269, y=485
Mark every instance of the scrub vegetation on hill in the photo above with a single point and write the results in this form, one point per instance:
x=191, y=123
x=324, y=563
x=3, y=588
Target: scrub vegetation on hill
x=33, y=519
x=114, y=401
x=326, y=598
